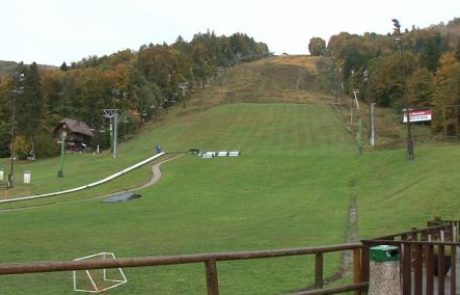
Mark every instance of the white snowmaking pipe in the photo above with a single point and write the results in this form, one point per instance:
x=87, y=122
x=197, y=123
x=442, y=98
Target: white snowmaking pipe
x=93, y=184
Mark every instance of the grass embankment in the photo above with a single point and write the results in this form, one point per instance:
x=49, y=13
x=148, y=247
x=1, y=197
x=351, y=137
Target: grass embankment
x=290, y=188
x=395, y=194
x=287, y=190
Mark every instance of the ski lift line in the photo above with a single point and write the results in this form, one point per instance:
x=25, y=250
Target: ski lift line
x=91, y=185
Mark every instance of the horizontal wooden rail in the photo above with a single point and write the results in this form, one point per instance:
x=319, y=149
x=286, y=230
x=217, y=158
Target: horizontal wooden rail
x=443, y=226
x=209, y=260
x=391, y=242
x=341, y=289
x=35, y=267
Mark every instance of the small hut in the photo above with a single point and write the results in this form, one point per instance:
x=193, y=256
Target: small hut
x=77, y=134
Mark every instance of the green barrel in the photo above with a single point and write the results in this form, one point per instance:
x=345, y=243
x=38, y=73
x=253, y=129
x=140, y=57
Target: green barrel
x=384, y=253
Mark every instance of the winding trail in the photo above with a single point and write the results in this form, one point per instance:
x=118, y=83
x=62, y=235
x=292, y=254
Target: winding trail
x=157, y=174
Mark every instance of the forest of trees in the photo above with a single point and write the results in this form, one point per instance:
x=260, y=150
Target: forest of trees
x=136, y=83
x=417, y=67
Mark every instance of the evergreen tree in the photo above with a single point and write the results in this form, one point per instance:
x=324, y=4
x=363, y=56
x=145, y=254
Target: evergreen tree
x=420, y=87
x=457, y=51
x=64, y=67
x=29, y=105
x=430, y=45
x=317, y=46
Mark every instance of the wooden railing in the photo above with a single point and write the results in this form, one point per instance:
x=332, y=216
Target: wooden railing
x=420, y=270
x=210, y=262
x=418, y=249
x=423, y=255
x=455, y=224
x=436, y=232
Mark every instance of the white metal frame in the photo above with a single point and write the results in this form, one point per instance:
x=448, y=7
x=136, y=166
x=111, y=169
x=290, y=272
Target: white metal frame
x=104, y=255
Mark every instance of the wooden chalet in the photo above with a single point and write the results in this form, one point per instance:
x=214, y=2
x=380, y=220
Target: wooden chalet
x=78, y=134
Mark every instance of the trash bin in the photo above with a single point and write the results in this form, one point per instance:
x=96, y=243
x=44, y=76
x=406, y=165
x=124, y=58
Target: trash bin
x=384, y=272
x=27, y=176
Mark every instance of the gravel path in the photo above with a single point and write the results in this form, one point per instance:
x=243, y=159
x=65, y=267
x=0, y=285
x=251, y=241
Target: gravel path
x=156, y=173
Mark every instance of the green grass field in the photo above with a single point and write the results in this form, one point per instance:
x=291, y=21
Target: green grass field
x=290, y=188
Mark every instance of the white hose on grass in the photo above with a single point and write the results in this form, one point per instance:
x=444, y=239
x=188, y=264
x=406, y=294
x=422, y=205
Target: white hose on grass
x=83, y=187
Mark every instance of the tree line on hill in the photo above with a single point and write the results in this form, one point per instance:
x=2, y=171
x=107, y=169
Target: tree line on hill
x=417, y=68
x=138, y=84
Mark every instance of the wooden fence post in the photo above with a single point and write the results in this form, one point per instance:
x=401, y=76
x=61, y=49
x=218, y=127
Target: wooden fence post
x=429, y=269
x=319, y=270
x=441, y=268
x=357, y=274
x=453, y=270
x=406, y=268
x=211, y=277
x=418, y=269
x=365, y=262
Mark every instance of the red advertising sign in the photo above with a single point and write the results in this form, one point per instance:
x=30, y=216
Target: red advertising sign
x=417, y=116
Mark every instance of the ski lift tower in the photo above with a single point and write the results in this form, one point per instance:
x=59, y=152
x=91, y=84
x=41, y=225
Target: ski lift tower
x=184, y=86
x=112, y=115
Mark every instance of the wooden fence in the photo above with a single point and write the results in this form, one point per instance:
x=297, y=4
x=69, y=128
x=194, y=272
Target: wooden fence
x=418, y=250
x=210, y=263
x=425, y=256
x=424, y=265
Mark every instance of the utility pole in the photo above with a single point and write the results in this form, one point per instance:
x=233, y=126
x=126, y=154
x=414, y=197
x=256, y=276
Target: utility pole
x=372, y=139
x=371, y=132
x=19, y=89
x=63, y=134
x=115, y=133
x=410, y=143
x=13, y=152
x=112, y=115
x=359, y=134
x=352, y=103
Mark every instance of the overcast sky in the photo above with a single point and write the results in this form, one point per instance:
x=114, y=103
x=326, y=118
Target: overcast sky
x=54, y=31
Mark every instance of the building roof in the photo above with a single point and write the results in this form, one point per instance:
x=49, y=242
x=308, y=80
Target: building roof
x=76, y=126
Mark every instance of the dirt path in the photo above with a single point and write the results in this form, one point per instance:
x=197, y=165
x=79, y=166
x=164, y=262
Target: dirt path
x=351, y=235
x=156, y=173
